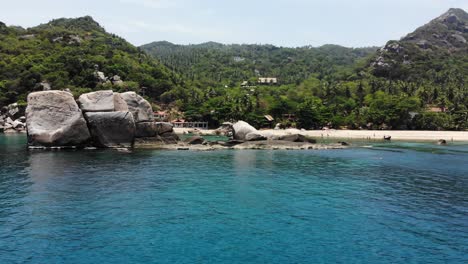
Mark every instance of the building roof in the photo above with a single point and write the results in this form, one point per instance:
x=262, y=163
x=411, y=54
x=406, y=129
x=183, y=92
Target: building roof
x=269, y=118
x=267, y=80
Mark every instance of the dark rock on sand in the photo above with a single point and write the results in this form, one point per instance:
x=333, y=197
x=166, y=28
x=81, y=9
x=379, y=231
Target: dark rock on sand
x=194, y=140
x=298, y=138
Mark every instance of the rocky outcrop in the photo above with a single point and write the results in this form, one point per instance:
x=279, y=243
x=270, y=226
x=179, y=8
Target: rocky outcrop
x=240, y=130
x=10, y=119
x=111, y=129
x=146, y=129
x=139, y=107
x=152, y=129
x=194, y=140
x=100, y=101
x=53, y=118
x=119, y=103
x=163, y=128
x=169, y=138
x=116, y=80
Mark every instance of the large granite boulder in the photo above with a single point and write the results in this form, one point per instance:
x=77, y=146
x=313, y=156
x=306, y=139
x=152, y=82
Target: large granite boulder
x=54, y=119
x=240, y=130
x=99, y=101
x=146, y=129
x=119, y=103
x=138, y=106
x=111, y=129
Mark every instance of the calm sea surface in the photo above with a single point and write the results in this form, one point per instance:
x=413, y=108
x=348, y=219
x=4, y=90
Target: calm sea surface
x=392, y=203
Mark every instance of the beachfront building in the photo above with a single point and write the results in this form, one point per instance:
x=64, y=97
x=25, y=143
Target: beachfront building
x=267, y=80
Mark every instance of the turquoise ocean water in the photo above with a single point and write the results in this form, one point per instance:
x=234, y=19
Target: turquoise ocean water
x=389, y=203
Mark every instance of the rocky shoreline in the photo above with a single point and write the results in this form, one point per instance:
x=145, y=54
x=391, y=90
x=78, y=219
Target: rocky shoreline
x=12, y=119
x=106, y=119
x=252, y=145
x=101, y=119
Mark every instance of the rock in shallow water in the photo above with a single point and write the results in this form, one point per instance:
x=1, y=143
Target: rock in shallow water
x=241, y=129
x=54, y=119
x=194, y=140
x=111, y=129
x=298, y=138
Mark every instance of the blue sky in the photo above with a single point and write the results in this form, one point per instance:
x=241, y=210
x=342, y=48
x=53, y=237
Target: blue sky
x=352, y=23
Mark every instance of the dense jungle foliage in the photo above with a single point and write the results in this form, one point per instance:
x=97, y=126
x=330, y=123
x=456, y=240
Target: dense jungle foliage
x=418, y=82
x=66, y=53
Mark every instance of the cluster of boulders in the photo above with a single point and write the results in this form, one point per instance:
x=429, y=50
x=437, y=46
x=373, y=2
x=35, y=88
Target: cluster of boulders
x=12, y=119
x=99, y=119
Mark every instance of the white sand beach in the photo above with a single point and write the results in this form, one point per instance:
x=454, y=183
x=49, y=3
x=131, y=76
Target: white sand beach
x=409, y=135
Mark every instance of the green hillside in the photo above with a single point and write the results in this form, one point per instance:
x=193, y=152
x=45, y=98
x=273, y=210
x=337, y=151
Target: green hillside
x=418, y=82
x=67, y=53
x=213, y=63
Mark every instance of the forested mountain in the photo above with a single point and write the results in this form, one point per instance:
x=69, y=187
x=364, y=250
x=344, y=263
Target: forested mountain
x=77, y=54
x=215, y=63
x=418, y=82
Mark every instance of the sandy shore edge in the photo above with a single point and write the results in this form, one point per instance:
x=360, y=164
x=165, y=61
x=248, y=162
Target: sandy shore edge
x=404, y=135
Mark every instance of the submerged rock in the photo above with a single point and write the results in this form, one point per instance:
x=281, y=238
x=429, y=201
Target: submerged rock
x=111, y=129
x=194, y=140
x=442, y=142
x=138, y=106
x=54, y=119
